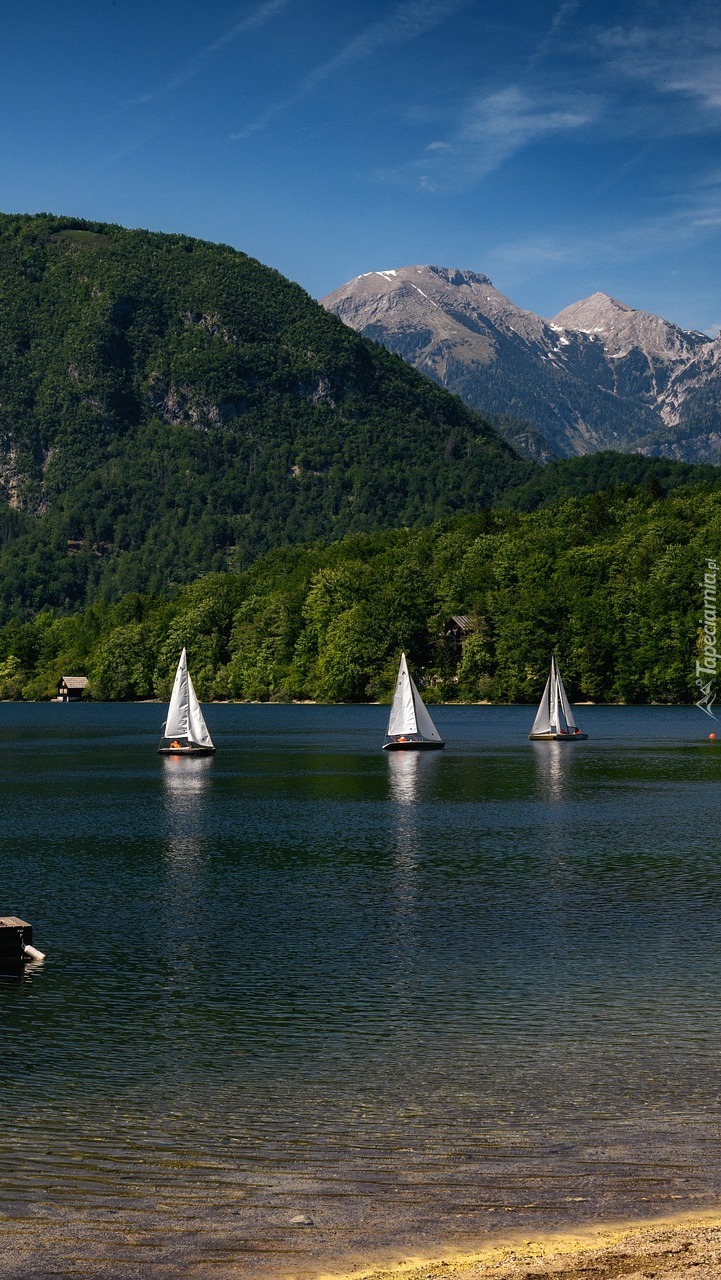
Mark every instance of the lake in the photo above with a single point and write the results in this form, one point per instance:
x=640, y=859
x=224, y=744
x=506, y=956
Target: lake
x=306, y=1003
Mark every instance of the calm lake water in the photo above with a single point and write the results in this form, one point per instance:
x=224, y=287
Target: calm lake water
x=411, y=1000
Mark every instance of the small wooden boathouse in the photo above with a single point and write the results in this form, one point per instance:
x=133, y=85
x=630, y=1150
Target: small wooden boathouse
x=456, y=631
x=71, y=688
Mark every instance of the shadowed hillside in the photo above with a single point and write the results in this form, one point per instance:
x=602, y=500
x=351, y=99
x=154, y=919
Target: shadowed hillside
x=169, y=407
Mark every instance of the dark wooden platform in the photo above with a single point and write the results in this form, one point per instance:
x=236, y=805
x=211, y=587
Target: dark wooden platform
x=15, y=935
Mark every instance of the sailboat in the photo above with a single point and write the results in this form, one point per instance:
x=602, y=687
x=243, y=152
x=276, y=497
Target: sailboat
x=409, y=725
x=185, y=731
x=554, y=720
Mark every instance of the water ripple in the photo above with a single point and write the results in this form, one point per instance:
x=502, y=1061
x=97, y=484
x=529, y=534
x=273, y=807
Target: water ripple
x=412, y=1000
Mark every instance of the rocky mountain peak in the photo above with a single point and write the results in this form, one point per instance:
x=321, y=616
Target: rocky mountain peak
x=623, y=329
x=445, y=303
x=453, y=276
x=600, y=375
x=594, y=314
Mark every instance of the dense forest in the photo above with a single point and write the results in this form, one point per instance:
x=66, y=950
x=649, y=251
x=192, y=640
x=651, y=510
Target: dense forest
x=610, y=580
x=170, y=407
x=193, y=452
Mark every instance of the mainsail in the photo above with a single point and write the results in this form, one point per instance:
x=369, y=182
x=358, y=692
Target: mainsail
x=554, y=714
x=409, y=721
x=185, y=719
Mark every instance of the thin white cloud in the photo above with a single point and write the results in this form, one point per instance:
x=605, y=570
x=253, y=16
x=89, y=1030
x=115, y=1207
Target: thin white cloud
x=566, y=10
x=681, y=56
x=132, y=145
x=511, y=118
x=258, y=125
x=493, y=127
x=403, y=24
x=688, y=222
x=631, y=163
x=251, y=21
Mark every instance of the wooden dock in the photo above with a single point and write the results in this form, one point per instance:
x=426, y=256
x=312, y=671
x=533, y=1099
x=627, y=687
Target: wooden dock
x=15, y=935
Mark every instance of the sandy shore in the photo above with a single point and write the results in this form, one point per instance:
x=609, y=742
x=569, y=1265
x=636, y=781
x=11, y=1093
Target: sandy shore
x=683, y=1248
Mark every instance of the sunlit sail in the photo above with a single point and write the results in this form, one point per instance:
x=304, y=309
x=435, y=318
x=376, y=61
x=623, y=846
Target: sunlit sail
x=409, y=725
x=185, y=731
x=554, y=720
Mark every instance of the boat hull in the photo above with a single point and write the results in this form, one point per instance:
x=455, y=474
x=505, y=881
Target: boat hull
x=413, y=746
x=186, y=751
x=558, y=737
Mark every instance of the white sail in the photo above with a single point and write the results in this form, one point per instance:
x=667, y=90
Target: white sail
x=564, y=703
x=554, y=713
x=185, y=719
x=554, y=696
x=402, y=719
x=408, y=715
x=426, y=727
x=542, y=722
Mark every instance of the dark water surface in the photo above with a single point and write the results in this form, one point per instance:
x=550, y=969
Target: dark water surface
x=414, y=999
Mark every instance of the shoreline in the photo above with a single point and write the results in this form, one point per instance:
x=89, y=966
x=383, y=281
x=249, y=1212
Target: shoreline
x=307, y=702
x=678, y=1246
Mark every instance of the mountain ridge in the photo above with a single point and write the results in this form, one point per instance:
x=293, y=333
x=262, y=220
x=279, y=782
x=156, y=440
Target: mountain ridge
x=599, y=375
x=171, y=408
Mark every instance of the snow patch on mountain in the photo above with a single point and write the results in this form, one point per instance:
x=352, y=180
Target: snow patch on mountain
x=600, y=374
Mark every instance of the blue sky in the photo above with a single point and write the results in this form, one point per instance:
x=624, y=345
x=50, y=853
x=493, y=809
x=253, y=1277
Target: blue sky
x=559, y=147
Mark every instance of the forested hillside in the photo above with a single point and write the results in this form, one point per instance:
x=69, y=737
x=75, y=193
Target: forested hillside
x=170, y=407
x=611, y=581
x=605, y=472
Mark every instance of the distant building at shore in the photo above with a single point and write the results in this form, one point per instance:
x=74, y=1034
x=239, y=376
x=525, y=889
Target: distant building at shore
x=71, y=688
x=456, y=630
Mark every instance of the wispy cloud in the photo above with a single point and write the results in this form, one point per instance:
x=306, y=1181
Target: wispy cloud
x=678, y=225
x=261, y=122
x=250, y=21
x=701, y=207
x=566, y=10
x=131, y=145
x=493, y=127
x=403, y=24
x=681, y=56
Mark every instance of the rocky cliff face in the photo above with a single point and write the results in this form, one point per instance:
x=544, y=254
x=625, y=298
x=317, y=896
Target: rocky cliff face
x=599, y=375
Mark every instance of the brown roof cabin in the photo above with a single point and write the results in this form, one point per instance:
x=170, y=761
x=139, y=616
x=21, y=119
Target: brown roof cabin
x=457, y=629
x=71, y=688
